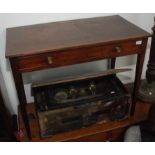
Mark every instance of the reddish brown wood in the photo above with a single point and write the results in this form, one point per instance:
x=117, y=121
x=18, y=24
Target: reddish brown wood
x=20, y=92
x=99, y=132
x=114, y=135
x=70, y=57
x=41, y=38
x=139, y=67
x=72, y=42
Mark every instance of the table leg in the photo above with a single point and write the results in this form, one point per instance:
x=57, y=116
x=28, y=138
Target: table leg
x=111, y=63
x=139, y=67
x=21, y=93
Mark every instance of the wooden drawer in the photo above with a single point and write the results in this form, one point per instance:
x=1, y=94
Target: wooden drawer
x=80, y=55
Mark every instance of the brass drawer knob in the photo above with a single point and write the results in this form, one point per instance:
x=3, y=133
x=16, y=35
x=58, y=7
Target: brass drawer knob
x=49, y=60
x=117, y=49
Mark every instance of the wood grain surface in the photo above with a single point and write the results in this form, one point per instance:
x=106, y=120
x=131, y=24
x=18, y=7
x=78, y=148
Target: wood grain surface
x=41, y=38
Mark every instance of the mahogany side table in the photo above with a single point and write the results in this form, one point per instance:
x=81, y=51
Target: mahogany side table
x=57, y=44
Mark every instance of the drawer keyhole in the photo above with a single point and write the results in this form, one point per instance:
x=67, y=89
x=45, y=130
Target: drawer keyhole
x=50, y=61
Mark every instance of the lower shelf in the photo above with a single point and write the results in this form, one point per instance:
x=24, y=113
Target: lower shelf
x=99, y=132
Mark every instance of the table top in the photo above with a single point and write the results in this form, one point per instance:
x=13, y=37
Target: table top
x=56, y=36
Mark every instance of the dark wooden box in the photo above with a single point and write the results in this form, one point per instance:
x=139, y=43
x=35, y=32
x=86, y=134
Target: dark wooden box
x=77, y=102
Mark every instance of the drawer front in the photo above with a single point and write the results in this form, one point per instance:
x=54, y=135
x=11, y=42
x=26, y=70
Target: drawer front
x=70, y=57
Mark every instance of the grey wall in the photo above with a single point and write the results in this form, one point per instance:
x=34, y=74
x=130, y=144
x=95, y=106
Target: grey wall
x=145, y=21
